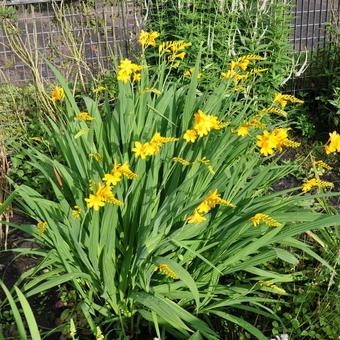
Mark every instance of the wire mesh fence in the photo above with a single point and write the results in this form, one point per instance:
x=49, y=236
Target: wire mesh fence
x=312, y=23
x=77, y=36
x=316, y=31
x=73, y=35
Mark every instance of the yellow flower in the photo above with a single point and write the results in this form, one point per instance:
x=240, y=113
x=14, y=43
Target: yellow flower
x=258, y=218
x=213, y=199
x=196, y=217
x=333, y=143
x=322, y=164
x=181, y=161
x=41, y=225
x=37, y=139
x=159, y=140
x=281, y=135
x=275, y=288
x=152, y=37
x=243, y=131
x=175, y=50
x=283, y=99
x=255, y=123
x=102, y=190
x=291, y=144
x=243, y=63
x=166, y=270
x=203, y=207
x=180, y=55
x=112, y=178
x=99, y=88
x=190, y=136
x=110, y=198
x=140, y=150
x=276, y=110
x=126, y=69
x=126, y=171
x=148, y=39
x=126, y=65
x=239, y=77
x=173, y=46
x=258, y=70
x=57, y=94
x=137, y=77
x=215, y=123
x=143, y=38
x=106, y=194
x=277, y=139
x=267, y=142
x=176, y=56
x=136, y=68
x=188, y=73
x=84, y=116
x=151, y=148
x=95, y=202
x=308, y=185
x=228, y=75
x=206, y=205
x=227, y=203
x=117, y=172
x=123, y=76
x=76, y=211
x=233, y=64
x=280, y=99
x=203, y=123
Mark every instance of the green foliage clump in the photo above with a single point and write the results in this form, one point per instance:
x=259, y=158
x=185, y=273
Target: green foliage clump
x=21, y=120
x=136, y=264
x=226, y=29
x=8, y=12
x=139, y=252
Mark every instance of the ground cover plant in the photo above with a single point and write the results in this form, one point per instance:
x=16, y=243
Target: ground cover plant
x=21, y=122
x=161, y=217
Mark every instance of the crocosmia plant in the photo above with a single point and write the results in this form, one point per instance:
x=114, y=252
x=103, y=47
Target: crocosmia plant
x=162, y=215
